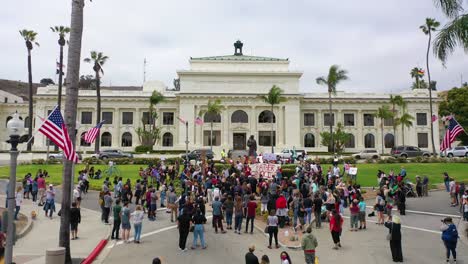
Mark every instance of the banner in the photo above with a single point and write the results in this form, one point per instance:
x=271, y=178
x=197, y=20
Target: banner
x=267, y=170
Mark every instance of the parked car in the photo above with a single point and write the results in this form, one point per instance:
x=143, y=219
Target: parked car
x=287, y=154
x=112, y=154
x=367, y=154
x=460, y=151
x=59, y=156
x=197, y=153
x=409, y=152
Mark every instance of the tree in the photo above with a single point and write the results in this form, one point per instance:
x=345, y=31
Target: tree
x=47, y=81
x=456, y=103
x=421, y=84
x=417, y=74
x=98, y=59
x=150, y=135
x=396, y=100
x=62, y=32
x=455, y=32
x=383, y=113
x=430, y=26
x=335, y=76
x=213, y=109
x=273, y=97
x=71, y=103
x=405, y=120
x=340, y=138
x=29, y=37
x=87, y=82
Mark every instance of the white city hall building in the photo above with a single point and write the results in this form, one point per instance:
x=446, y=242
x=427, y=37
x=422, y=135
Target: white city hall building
x=238, y=81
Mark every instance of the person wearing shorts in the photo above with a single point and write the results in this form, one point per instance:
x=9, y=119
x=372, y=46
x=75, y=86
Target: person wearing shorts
x=362, y=213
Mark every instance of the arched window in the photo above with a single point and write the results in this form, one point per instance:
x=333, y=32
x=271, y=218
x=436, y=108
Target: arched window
x=215, y=118
x=106, y=139
x=266, y=117
x=168, y=140
x=126, y=139
x=26, y=122
x=239, y=116
x=351, y=143
x=309, y=140
x=369, y=141
x=83, y=143
x=8, y=119
x=389, y=141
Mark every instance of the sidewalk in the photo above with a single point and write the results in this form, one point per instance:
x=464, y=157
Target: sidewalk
x=45, y=234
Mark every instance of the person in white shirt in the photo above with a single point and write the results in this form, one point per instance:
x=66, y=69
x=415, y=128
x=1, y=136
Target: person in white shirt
x=216, y=192
x=138, y=216
x=18, y=200
x=77, y=196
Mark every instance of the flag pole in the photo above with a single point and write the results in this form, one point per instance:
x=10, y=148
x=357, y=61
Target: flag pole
x=186, y=144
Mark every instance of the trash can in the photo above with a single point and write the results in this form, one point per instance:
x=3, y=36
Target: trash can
x=55, y=255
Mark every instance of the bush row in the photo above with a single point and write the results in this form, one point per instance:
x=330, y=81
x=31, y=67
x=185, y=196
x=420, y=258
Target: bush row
x=419, y=160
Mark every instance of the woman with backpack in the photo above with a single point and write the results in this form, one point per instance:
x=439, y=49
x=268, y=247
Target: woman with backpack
x=394, y=237
x=380, y=207
x=450, y=238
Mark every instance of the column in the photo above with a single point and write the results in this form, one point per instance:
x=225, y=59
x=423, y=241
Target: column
x=226, y=134
x=186, y=110
x=292, y=123
x=136, y=124
x=115, y=129
x=359, y=137
x=253, y=122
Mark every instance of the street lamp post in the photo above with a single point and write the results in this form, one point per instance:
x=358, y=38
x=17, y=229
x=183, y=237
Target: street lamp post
x=15, y=127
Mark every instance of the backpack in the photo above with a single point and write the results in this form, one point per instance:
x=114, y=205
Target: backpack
x=381, y=201
x=451, y=234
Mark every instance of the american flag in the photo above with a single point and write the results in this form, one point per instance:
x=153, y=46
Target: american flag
x=90, y=135
x=198, y=121
x=453, y=130
x=55, y=129
x=181, y=120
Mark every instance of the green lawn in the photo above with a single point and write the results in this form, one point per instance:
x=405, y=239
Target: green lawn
x=366, y=172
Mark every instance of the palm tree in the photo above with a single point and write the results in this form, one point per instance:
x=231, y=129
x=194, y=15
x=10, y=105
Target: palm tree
x=71, y=103
x=396, y=100
x=405, y=120
x=98, y=59
x=383, y=113
x=335, y=76
x=213, y=109
x=273, y=97
x=417, y=73
x=431, y=25
x=62, y=32
x=29, y=37
x=455, y=32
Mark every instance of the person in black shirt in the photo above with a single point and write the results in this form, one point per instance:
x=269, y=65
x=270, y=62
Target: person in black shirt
x=183, y=223
x=317, y=210
x=250, y=257
x=198, y=231
x=75, y=219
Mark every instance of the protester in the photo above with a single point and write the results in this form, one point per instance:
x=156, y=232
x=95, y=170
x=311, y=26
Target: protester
x=228, y=206
x=18, y=200
x=172, y=205
x=117, y=220
x=354, y=210
x=238, y=215
x=318, y=210
x=107, y=206
x=336, y=223
x=156, y=261
x=285, y=259
x=265, y=260
x=183, y=224
x=217, y=215
x=75, y=219
x=394, y=237
x=77, y=196
x=362, y=213
x=309, y=244
x=125, y=218
x=450, y=238
x=137, y=217
x=251, y=211
x=49, y=206
x=250, y=257
x=272, y=225
x=198, y=231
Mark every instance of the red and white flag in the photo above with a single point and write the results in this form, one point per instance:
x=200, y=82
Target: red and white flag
x=199, y=121
x=453, y=130
x=91, y=135
x=181, y=120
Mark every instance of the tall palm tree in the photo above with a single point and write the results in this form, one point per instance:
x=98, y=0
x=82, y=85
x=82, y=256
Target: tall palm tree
x=431, y=25
x=98, y=59
x=213, y=109
x=405, y=120
x=62, y=32
x=396, y=100
x=335, y=76
x=273, y=97
x=417, y=74
x=455, y=32
x=29, y=37
x=71, y=103
x=383, y=113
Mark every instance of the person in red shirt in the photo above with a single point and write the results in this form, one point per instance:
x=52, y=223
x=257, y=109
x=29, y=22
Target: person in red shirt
x=336, y=224
x=251, y=211
x=41, y=186
x=281, y=210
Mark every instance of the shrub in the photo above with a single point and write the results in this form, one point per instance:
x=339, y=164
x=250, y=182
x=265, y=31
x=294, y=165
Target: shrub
x=288, y=172
x=143, y=149
x=38, y=161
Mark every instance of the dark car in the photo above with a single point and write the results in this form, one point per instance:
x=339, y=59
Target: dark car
x=409, y=152
x=197, y=154
x=113, y=154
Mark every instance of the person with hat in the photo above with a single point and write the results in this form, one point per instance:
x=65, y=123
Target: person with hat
x=450, y=238
x=309, y=244
x=394, y=237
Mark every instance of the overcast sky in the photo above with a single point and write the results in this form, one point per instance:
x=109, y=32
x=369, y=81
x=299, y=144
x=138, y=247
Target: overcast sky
x=378, y=42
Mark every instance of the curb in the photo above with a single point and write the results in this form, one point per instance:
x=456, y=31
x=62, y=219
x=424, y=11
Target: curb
x=99, y=247
x=27, y=229
x=279, y=242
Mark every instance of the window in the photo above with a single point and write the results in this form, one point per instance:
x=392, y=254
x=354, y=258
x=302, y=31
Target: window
x=348, y=119
x=26, y=122
x=264, y=138
x=421, y=119
x=146, y=118
x=215, y=118
x=388, y=122
x=168, y=118
x=266, y=117
x=369, y=141
x=127, y=118
x=5, y=100
x=126, y=139
x=351, y=143
x=326, y=119
x=423, y=141
x=368, y=120
x=106, y=139
x=309, y=140
x=86, y=118
x=309, y=119
x=167, y=140
x=216, y=140
x=108, y=117
x=389, y=141
x=239, y=116
x=83, y=143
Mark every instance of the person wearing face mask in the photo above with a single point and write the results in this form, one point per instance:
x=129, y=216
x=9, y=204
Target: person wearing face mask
x=285, y=259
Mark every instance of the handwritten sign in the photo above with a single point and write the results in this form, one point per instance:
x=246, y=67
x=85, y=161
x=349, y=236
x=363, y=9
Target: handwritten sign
x=269, y=156
x=352, y=171
x=267, y=170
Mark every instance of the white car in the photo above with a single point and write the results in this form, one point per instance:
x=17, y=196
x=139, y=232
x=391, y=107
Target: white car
x=461, y=151
x=367, y=154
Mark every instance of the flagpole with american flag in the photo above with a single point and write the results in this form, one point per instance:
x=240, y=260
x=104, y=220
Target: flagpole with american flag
x=183, y=121
x=91, y=135
x=452, y=131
